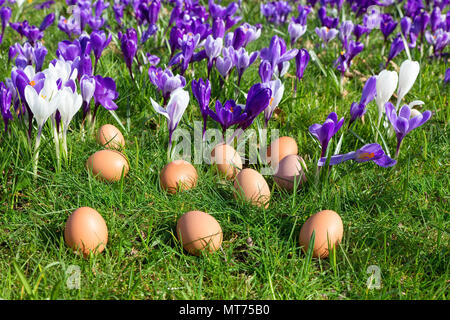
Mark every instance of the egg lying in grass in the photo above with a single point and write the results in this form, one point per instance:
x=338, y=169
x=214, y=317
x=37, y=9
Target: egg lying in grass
x=110, y=137
x=281, y=148
x=251, y=185
x=108, y=165
x=178, y=175
x=290, y=172
x=86, y=231
x=227, y=160
x=328, y=231
x=199, y=231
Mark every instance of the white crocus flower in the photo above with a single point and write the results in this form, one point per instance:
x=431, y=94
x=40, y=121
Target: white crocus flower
x=409, y=70
x=385, y=85
x=277, y=88
x=178, y=102
x=42, y=105
x=69, y=103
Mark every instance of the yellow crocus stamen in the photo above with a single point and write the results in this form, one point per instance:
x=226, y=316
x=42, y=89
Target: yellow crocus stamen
x=32, y=83
x=271, y=101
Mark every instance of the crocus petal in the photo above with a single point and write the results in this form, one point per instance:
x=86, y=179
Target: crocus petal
x=159, y=109
x=409, y=70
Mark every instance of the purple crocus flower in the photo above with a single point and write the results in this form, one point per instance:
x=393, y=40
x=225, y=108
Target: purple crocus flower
x=218, y=28
x=165, y=81
x=327, y=21
x=5, y=15
x=105, y=92
x=276, y=12
x=87, y=88
x=242, y=60
x=202, y=92
x=397, y=46
x=439, y=40
x=258, y=98
x=227, y=114
x=344, y=61
x=303, y=12
x=5, y=104
x=402, y=123
x=301, y=61
x=225, y=64
x=345, y=31
x=387, y=25
x=70, y=26
x=213, y=47
x=47, y=22
x=44, y=5
x=277, y=55
x=99, y=42
x=265, y=71
x=359, y=31
x=324, y=132
x=369, y=152
x=296, y=30
x=326, y=34
x=129, y=47
x=447, y=75
x=357, y=110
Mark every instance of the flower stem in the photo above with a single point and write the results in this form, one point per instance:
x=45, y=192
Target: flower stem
x=57, y=145
x=36, y=152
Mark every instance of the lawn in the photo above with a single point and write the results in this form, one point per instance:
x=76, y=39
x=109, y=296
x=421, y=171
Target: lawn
x=396, y=218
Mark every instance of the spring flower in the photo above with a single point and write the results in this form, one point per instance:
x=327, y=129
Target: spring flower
x=5, y=104
x=202, y=92
x=258, y=98
x=129, y=47
x=326, y=34
x=385, y=85
x=179, y=100
x=296, y=30
x=277, y=89
x=397, y=46
x=403, y=123
x=357, y=110
x=301, y=61
x=165, y=81
x=242, y=60
x=369, y=152
x=409, y=70
x=227, y=114
x=324, y=132
x=99, y=42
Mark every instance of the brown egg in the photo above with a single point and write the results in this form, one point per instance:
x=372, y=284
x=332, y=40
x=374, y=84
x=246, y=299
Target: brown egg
x=252, y=186
x=199, y=231
x=110, y=137
x=281, y=148
x=86, y=230
x=178, y=175
x=108, y=165
x=227, y=160
x=290, y=170
x=327, y=226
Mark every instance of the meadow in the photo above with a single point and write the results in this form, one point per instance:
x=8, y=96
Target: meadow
x=395, y=218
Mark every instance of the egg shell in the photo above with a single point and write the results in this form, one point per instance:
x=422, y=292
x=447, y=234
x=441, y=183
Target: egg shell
x=86, y=231
x=108, y=165
x=251, y=185
x=110, y=137
x=227, y=160
x=281, y=148
x=290, y=170
x=178, y=175
x=199, y=231
x=327, y=226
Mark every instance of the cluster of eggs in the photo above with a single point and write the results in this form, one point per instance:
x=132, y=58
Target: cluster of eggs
x=198, y=231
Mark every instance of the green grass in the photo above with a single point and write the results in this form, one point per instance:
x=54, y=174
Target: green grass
x=395, y=218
